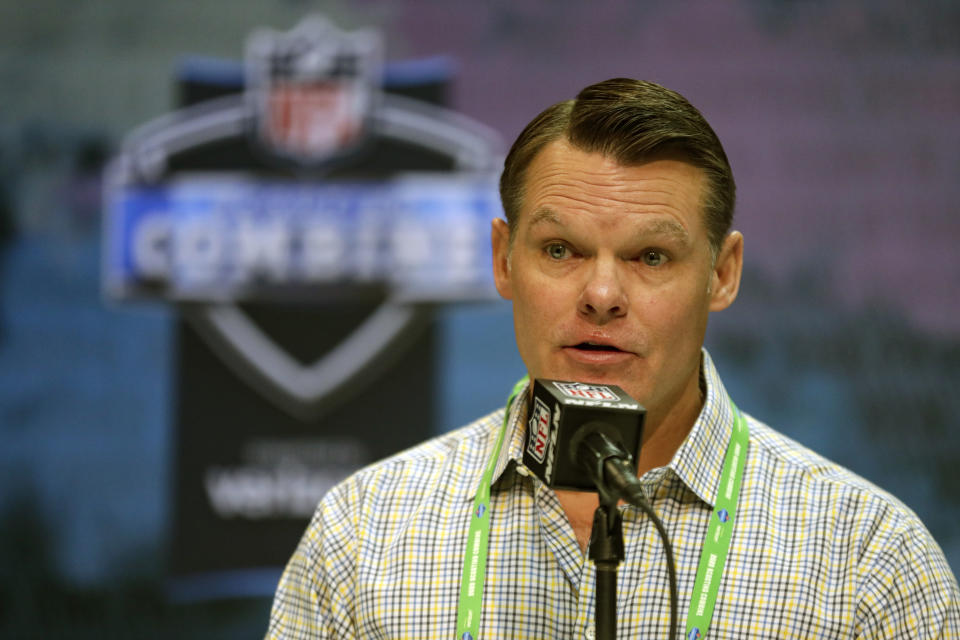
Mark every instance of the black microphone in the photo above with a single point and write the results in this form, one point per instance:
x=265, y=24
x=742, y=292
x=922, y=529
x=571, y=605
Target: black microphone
x=584, y=437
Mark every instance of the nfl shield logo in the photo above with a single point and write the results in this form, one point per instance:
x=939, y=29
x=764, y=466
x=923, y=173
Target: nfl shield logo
x=312, y=88
x=587, y=391
x=538, y=430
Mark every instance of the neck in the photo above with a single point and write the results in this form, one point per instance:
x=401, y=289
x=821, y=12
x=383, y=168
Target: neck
x=664, y=433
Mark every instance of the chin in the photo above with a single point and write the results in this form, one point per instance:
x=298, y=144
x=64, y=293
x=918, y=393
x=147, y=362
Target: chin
x=595, y=376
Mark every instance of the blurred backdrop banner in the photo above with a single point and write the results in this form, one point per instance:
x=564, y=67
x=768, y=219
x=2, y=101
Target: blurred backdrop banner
x=304, y=223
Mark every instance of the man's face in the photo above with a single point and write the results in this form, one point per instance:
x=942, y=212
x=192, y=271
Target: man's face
x=611, y=274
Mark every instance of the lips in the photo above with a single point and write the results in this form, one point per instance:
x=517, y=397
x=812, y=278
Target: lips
x=596, y=352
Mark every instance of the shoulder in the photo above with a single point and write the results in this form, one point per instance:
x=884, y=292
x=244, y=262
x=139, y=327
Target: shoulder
x=370, y=507
x=845, y=524
x=365, y=514
x=849, y=518
x=819, y=484
x=857, y=520
x=793, y=462
x=450, y=464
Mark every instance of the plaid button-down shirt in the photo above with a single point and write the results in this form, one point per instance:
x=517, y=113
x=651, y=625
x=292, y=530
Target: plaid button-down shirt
x=817, y=552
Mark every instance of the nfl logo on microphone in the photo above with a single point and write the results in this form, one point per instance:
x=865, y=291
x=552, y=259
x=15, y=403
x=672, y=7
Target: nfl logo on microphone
x=587, y=391
x=538, y=430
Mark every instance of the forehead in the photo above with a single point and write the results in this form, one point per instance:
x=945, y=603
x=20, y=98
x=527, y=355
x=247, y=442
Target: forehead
x=563, y=180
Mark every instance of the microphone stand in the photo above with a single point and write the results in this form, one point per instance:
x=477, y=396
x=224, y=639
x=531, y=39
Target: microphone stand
x=612, y=472
x=606, y=551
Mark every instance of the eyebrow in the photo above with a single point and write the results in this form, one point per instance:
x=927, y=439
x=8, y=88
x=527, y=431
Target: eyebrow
x=660, y=227
x=543, y=215
x=670, y=228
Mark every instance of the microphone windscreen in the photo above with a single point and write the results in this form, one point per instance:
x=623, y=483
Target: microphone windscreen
x=559, y=411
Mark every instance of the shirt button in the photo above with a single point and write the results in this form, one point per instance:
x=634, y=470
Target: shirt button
x=523, y=471
x=591, y=630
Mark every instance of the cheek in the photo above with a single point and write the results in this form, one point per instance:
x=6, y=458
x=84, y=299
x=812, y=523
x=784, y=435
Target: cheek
x=540, y=298
x=528, y=309
x=535, y=315
x=673, y=317
x=539, y=310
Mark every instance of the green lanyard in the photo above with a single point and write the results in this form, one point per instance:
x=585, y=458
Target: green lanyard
x=712, y=558
x=717, y=543
x=475, y=557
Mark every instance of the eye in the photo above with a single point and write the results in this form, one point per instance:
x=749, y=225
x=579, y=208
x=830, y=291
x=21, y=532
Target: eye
x=557, y=251
x=653, y=258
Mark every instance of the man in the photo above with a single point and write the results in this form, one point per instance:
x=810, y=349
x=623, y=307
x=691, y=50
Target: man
x=616, y=247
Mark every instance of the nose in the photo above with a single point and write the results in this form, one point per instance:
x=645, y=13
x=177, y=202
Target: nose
x=603, y=298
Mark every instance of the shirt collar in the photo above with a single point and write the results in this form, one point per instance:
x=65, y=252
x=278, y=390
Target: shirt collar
x=697, y=463
x=699, y=460
x=512, y=449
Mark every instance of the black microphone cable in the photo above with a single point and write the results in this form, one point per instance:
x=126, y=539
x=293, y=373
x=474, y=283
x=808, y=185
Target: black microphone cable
x=632, y=492
x=596, y=450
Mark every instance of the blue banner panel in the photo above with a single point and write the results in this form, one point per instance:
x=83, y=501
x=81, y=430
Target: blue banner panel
x=423, y=237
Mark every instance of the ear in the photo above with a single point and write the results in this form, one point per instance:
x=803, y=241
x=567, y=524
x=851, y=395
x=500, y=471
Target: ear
x=726, y=273
x=500, y=240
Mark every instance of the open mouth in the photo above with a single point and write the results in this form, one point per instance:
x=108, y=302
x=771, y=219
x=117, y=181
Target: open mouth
x=587, y=346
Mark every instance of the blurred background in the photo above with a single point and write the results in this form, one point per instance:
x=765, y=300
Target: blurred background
x=840, y=119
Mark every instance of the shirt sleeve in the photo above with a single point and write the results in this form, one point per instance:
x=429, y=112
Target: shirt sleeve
x=313, y=599
x=908, y=590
